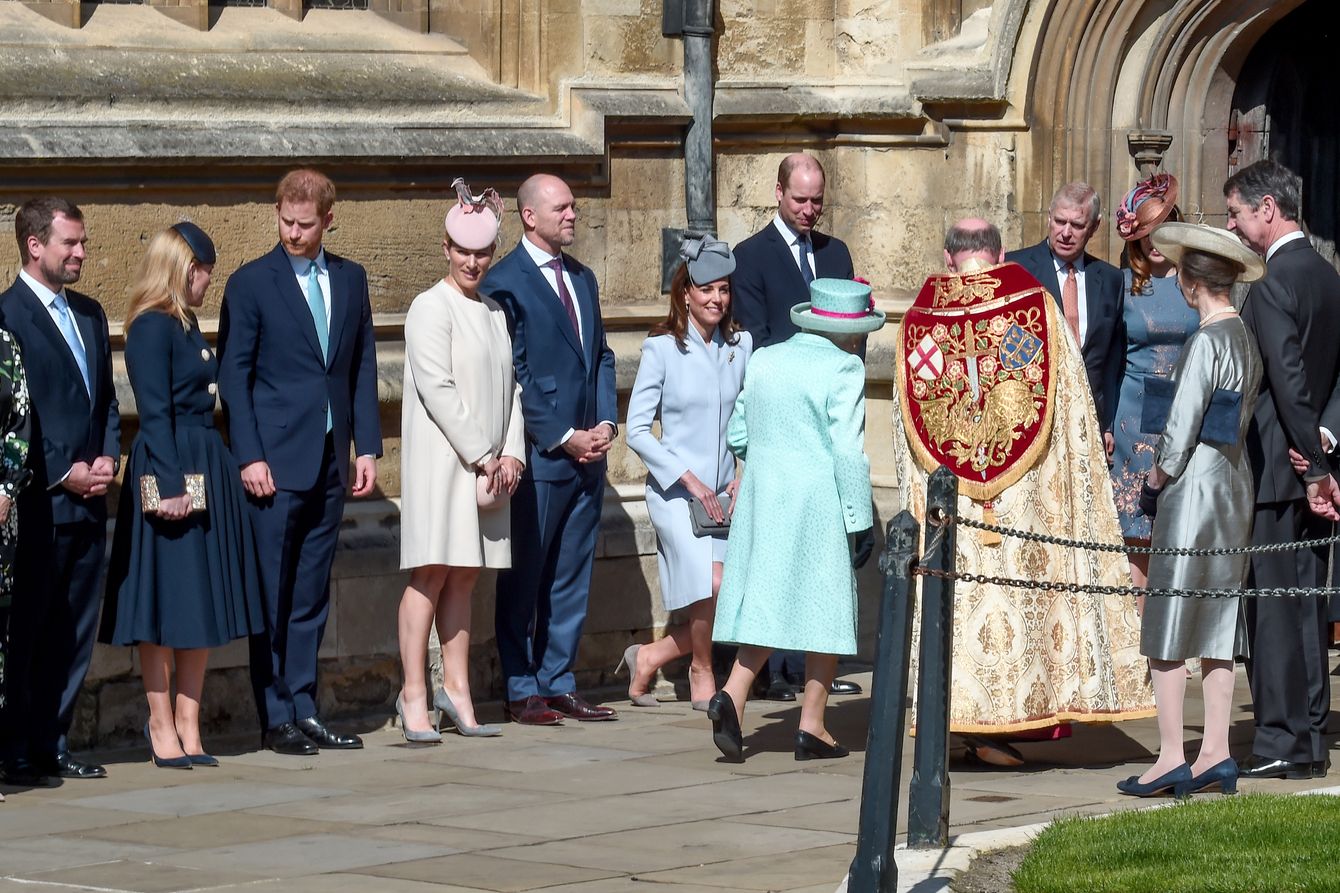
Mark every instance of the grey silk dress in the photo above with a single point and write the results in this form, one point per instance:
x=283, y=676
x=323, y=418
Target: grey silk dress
x=1206, y=504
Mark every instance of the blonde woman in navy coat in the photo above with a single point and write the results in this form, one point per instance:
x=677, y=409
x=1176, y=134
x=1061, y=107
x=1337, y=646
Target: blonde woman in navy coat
x=691, y=371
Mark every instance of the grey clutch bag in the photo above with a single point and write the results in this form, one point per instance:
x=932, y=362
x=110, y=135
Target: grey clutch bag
x=703, y=525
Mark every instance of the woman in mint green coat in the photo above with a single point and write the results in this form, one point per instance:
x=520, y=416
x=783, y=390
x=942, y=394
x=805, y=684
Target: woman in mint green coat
x=799, y=426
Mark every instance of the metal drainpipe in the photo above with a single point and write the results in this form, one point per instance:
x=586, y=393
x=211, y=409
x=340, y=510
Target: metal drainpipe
x=693, y=21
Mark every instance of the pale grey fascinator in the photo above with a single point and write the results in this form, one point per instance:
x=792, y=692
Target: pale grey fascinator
x=708, y=259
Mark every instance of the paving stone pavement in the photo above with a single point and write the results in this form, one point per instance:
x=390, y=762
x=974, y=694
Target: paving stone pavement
x=635, y=806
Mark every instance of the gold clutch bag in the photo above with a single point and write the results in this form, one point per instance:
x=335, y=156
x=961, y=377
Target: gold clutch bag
x=149, y=499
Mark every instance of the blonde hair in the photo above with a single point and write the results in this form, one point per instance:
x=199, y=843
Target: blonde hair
x=163, y=280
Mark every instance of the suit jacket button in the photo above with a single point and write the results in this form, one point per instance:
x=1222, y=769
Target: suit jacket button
x=213, y=388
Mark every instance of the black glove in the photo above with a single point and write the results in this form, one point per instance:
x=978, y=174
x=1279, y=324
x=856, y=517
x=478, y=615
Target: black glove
x=1149, y=500
x=862, y=547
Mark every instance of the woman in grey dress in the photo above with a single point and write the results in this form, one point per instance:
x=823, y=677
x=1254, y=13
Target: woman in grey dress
x=1201, y=488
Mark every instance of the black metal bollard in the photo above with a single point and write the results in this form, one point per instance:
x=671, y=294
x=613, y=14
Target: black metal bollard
x=873, y=870
x=928, y=799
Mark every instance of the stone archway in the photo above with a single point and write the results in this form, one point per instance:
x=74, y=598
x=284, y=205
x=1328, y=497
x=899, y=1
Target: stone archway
x=1110, y=82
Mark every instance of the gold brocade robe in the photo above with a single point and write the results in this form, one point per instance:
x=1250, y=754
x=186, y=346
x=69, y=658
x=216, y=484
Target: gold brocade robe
x=1023, y=658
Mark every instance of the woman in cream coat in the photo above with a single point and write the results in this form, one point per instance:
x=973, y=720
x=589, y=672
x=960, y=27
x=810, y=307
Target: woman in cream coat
x=462, y=454
x=692, y=370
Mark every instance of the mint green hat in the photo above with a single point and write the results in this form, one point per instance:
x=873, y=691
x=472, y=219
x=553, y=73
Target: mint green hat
x=843, y=306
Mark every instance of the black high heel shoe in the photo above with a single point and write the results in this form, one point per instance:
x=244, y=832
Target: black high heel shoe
x=726, y=727
x=1224, y=774
x=182, y=762
x=812, y=747
x=1168, y=781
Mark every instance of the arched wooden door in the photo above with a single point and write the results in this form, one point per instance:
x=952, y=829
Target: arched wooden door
x=1285, y=107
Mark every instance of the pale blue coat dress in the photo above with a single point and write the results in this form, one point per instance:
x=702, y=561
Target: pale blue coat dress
x=692, y=389
x=799, y=425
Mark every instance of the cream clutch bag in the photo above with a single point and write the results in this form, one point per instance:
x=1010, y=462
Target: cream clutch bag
x=149, y=499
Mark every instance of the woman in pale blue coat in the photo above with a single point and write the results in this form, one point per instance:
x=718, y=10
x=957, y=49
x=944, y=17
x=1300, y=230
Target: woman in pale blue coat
x=692, y=370
x=799, y=426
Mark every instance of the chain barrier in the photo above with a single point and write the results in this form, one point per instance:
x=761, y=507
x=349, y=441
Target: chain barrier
x=1098, y=589
x=942, y=522
x=1133, y=550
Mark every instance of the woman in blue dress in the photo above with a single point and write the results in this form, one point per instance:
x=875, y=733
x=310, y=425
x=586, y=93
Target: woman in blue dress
x=1158, y=323
x=691, y=371
x=182, y=578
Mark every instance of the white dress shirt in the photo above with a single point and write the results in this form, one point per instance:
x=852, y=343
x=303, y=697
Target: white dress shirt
x=1079, y=281
x=542, y=257
x=793, y=240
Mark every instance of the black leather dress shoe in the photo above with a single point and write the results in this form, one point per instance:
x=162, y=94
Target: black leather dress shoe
x=1262, y=767
x=779, y=690
x=286, y=738
x=324, y=738
x=576, y=707
x=23, y=774
x=1320, y=768
x=67, y=766
x=843, y=687
x=812, y=747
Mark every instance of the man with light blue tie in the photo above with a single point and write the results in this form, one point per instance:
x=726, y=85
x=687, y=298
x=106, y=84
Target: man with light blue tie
x=62, y=513
x=298, y=379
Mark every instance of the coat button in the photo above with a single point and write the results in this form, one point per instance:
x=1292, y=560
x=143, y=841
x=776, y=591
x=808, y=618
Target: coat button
x=204, y=354
x=213, y=388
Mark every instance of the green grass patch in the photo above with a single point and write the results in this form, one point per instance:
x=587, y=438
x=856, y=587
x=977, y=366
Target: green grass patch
x=1251, y=843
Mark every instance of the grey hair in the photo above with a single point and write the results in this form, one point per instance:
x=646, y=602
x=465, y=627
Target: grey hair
x=974, y=239
x=1078, y=194
x=1255, y=181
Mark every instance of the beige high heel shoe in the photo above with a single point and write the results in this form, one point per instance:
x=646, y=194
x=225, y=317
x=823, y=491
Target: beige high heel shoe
x=629, y=659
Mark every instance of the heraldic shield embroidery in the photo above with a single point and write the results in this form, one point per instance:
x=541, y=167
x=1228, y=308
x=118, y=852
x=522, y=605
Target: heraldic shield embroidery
x=976, y=376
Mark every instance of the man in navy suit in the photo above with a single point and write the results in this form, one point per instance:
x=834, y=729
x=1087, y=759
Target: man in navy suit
x=298, y=378
x=1294, y=313
x=773, y=271
x=775, y=266
x=76, y=443
x=1088, y=291
x=566, y=373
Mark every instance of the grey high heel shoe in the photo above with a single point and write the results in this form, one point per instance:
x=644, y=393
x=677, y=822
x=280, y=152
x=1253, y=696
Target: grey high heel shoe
x=442, y=701
x=629, y=660
x=428, y=736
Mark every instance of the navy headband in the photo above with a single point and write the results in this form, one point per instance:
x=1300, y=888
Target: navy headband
x=201, y=245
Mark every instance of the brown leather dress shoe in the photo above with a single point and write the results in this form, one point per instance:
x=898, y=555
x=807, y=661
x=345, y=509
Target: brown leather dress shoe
x=532, y=712
x=573, y=705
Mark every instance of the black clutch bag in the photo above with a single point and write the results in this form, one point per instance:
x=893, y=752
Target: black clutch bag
x=1219, y=427
x=703, y=525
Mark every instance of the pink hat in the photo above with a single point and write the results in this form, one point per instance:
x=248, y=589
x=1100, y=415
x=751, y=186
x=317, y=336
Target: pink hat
x=473, y=222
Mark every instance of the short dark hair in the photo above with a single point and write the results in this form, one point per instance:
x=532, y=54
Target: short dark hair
x=982, y=238
x=1210, y=270
x=35, y=216
x=1255, y=181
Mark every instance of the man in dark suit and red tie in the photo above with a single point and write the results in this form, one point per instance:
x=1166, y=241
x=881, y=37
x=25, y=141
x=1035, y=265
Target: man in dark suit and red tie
x=773, y=271
x=1087, y=290
x=75, y=447
x=298, y=378
x=566, y=373
x=1294, y=312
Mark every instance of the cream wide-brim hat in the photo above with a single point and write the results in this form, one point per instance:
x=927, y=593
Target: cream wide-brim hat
x=1175, y=239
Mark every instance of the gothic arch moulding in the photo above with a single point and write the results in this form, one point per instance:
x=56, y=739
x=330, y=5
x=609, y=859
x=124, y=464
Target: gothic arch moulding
x=1107, y=78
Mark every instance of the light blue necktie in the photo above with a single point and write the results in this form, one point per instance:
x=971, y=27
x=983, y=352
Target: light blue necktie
x=316, y=303
x=805, y=269
x=72, y=339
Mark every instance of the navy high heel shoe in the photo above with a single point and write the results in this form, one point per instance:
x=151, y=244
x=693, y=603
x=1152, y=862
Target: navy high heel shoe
x=1224, y=774
x=1161, y=785
x=170, y=762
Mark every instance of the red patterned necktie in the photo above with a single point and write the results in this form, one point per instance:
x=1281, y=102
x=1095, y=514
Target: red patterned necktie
x=557, y=266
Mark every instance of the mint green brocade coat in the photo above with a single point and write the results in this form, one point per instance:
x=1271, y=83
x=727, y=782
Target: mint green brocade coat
x=799, y=426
